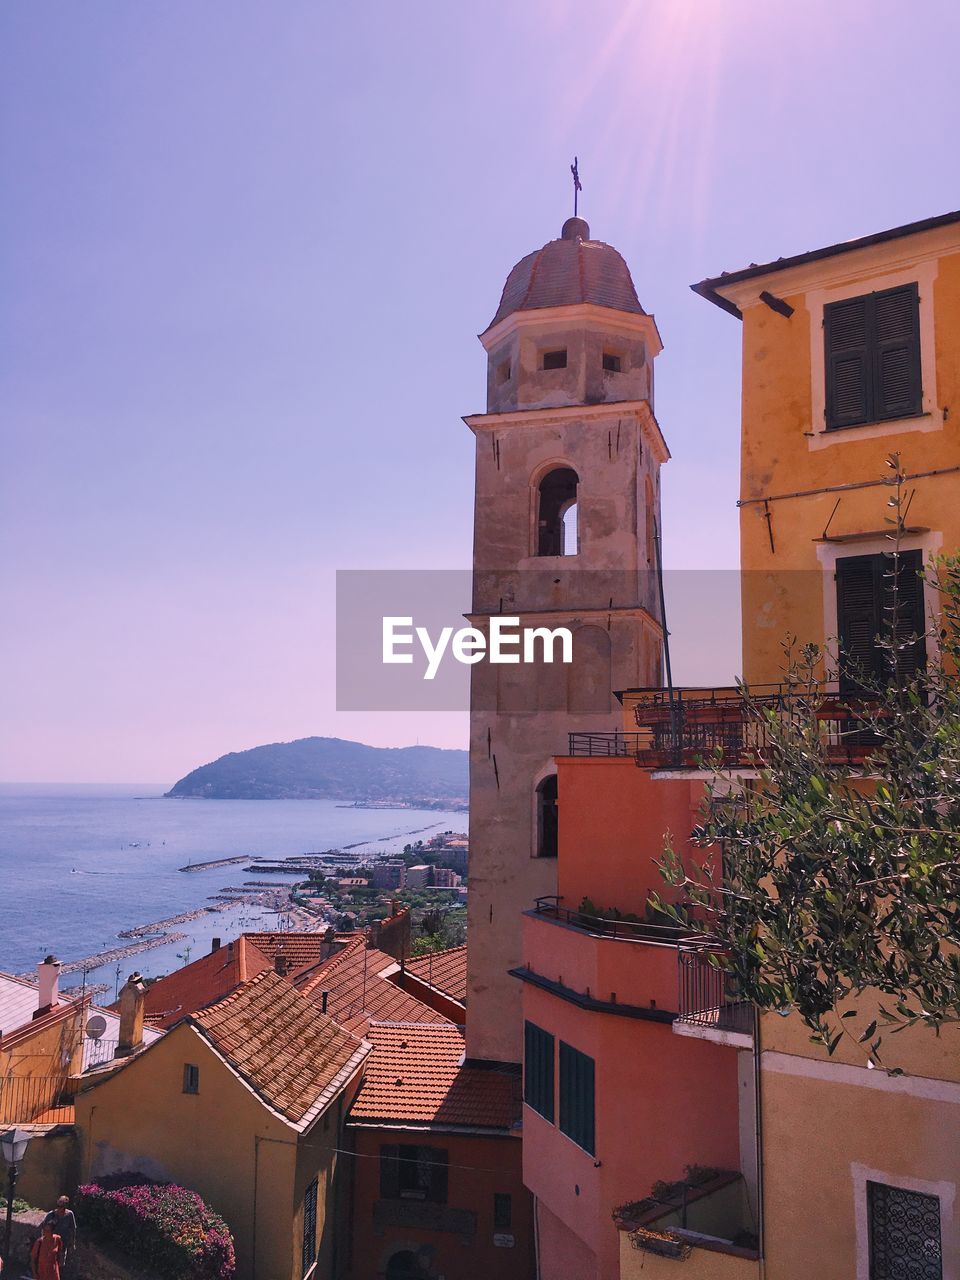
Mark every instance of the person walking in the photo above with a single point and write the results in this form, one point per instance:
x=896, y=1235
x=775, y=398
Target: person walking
x=64, y=1224
x=45, y=1254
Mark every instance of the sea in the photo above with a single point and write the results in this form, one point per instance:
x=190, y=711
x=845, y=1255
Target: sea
x=79, y=864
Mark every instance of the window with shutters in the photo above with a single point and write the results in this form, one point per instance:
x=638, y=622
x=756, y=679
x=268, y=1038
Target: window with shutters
x=502, y=1211
x=905, y=1240
x=413, y=1173
x=577, y=1097
x=309, y=1250
x=547, y=817
x=866, y=591
x=538, y=1069
x=872, y=357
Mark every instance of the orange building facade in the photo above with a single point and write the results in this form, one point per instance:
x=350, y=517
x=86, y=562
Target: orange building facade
x=664, y=1121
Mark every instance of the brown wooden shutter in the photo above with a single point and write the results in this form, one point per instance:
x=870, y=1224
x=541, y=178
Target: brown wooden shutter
x=848, y=366
x=896, y=326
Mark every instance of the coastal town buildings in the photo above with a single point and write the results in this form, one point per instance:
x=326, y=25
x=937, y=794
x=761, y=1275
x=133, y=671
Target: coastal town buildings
x=438, y=1189
x=245, y=1102
x=389, y=875
x=664, y=1121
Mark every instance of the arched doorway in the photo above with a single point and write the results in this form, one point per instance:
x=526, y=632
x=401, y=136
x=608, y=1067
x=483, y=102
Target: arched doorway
x=404, y=1266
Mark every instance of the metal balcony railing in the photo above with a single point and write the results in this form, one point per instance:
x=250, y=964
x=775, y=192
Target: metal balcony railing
x=606, y=927
x=37, y=1099
x=708, y=995
x=692, y=728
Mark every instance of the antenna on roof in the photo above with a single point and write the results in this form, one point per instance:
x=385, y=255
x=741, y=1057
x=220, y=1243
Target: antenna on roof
x=577, y=187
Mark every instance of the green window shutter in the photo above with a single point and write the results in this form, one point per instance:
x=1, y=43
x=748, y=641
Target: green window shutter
x=578, y=1097
x=390, y=1172
x=896, y=332
x=859, y=621
x=847, y=361
x=538, y=1078
x=865, y=611
x=911, y=619
x=309, y=1251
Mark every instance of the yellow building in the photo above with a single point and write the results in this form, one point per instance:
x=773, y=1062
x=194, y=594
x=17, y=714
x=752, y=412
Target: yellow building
x=244, y=1103
x=850, y=353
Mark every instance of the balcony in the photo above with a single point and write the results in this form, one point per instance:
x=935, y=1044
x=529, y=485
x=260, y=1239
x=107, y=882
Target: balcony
x=625, y=968
x=711, y=1227
x=693, y=728
x=38, y=1099
x=605, y=927
x=710, y=1007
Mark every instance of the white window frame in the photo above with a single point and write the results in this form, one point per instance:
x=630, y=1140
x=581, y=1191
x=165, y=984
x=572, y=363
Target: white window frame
x=828, y=553
x=945, y=1192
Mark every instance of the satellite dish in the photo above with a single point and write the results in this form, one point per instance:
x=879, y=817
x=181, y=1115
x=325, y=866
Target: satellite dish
x=96, y=1026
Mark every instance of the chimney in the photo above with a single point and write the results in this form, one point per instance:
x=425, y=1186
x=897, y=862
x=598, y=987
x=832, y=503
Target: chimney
x=48, y=979
x=214, y=945
x=132, y=999
x=323, y=1001
x=394, y=907
x=280, y=964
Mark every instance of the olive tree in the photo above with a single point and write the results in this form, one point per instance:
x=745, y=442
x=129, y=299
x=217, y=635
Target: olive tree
x=831, y=882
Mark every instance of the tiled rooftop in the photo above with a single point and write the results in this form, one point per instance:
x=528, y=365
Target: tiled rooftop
x=566, y=272
x=285, y=1049
x=358, y=993
x=203, y=981
x=445, y=970
x=416, y=1075
x=18, y=1001
x=299, y=948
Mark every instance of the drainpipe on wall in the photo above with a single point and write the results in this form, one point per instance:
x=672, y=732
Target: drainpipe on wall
x=536, y=1237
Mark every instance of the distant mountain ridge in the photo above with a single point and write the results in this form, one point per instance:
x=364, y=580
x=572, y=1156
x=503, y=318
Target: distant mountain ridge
x=331, y=769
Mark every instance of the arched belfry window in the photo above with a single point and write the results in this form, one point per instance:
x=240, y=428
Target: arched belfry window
x=557, y=513
x=547, y=817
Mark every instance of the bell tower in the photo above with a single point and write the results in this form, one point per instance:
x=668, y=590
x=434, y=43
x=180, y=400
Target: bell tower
x=567, y=499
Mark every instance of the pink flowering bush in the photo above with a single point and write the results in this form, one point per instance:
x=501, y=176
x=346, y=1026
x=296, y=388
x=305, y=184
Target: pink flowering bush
x=166, y=1227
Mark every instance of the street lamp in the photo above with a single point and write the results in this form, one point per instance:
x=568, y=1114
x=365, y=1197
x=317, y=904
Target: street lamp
x=13, y=1145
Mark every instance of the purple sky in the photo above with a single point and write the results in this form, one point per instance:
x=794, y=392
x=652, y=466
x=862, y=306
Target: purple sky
x=246, y=249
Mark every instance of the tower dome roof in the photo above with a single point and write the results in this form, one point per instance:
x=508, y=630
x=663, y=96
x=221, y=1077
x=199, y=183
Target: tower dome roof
x=568, y=271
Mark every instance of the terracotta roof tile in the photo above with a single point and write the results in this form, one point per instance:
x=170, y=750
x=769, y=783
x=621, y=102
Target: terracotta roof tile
x=568, y=271
x=203, y=981
x=358, y=993
x=445, y=970
x=288, y=1052
x=300, y=948
x=416, y=1075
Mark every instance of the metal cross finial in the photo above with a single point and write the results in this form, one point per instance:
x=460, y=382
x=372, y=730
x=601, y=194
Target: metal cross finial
x=576, y=184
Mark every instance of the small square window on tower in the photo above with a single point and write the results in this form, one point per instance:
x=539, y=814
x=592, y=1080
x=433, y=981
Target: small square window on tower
x=503, y=371
x=555, y=359
x=611, y=363
x=191, y=1078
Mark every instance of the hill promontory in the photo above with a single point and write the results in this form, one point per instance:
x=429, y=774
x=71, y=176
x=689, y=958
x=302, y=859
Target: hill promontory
x=333, y=769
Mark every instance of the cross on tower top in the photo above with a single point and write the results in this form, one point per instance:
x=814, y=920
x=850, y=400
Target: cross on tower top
x=577, y=188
